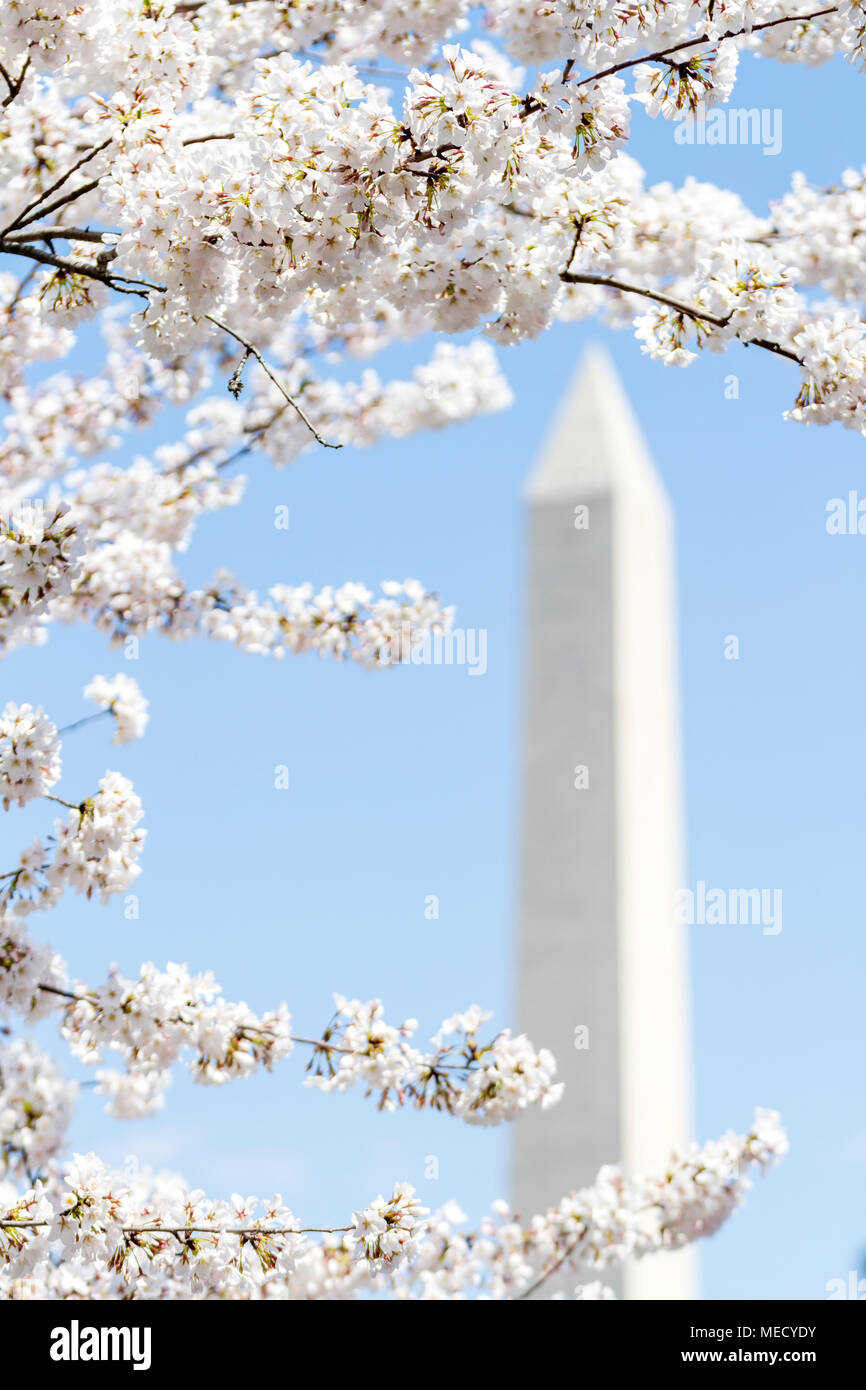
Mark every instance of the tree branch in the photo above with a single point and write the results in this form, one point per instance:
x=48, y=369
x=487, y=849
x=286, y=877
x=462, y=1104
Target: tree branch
x=253, y=351
x=87, y=719
x=86, y=268
x=698, y=316
x=63, y=201
x=664, y=53
x=58, y=234
x=551, y=1269
x=22, y=217
x=191, y=6
x=250, y=1231
x=579, y=277
x=250, y=1034
x=14, y=84
x=532, y=103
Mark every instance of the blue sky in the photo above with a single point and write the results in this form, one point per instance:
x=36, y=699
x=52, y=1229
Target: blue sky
x=404, y=784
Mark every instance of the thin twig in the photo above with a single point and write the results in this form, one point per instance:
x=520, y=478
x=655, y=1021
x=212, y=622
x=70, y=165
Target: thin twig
x=70, y=806
x=63, y=201
x=191, y=6
x=252, y=1231
x=21, y=288
x=254, y=352
x=52, y=188
x=203, y=139
x=533, y=1288
x=88, y=719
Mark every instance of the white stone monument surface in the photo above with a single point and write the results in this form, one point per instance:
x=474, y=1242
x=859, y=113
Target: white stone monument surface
x=601, y=860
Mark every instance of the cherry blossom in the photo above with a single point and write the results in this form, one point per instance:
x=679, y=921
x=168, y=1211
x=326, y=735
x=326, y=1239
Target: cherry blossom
x=29, y=754
x=122, y=697
x=156, y=1239
x=36, y=1105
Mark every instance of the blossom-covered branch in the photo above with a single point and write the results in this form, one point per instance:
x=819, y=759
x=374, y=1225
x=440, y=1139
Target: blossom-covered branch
x=153, y=1021
x=89, y=1232
x=170, y=1015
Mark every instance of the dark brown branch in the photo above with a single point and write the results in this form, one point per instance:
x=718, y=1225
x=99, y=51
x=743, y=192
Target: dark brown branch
x=88, y=269
x=253, y=351
x=531, y=103
x=63, y=201
x=58, y=234
x=14, y=84
x=577, y=277
x=664, y=53
x=191, y=6
x=203, y=139
x=22, y=217
x=772, y=347
x=698, y=316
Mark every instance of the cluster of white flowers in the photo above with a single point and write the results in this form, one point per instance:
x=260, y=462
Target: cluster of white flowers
x=122, y=696
x=154, y=1020
x=95, y=850
x=687, y=87
x=90, y=1232
x=391, y=1231
x=30, y=973
x=482, y=1083
x=346, y=623
x=703, y=1184
x=29, y=754
x=150, y=1023
x=36, y=1106
x=39, y=560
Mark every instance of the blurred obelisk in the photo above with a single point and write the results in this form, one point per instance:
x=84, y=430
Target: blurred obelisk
x=602, y=966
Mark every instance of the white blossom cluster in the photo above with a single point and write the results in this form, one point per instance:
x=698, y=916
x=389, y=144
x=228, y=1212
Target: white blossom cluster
x=94, y=851
x=346, y=623
x=122, y=696
x=482, y=1083
x=149, y=1023
x=29, y=754
x=388, y=1233
x=702, y=1185
x=37, y=1103
x=39, y=560
x=88, y=1232
x=153, y=1021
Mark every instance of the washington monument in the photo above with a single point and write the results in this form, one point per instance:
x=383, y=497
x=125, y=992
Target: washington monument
x=602, y=968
